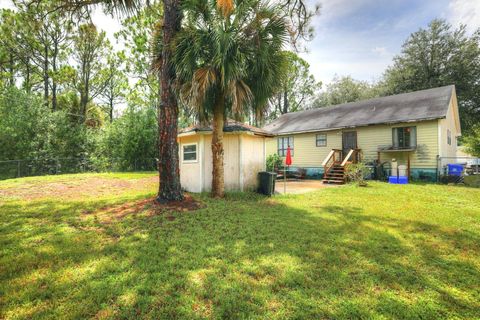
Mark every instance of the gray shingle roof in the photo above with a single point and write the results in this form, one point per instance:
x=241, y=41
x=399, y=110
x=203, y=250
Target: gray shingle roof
x=230, y=126
x=414, y=106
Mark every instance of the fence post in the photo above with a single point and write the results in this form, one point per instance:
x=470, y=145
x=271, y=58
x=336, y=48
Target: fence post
x=18, y=169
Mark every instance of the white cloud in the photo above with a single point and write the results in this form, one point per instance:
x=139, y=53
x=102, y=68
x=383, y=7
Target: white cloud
x=465, y=12
x=381, y=51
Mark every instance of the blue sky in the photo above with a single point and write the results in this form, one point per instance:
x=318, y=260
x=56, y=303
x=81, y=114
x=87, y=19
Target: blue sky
x=360, y=37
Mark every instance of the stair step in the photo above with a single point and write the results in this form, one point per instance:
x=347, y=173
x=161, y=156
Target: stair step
x=333, y=181
x=335, y=175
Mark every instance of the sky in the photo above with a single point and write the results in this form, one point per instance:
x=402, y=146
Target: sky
x=359, y=37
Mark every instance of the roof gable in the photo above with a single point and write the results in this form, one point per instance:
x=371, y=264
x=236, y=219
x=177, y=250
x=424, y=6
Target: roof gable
x=414, y=106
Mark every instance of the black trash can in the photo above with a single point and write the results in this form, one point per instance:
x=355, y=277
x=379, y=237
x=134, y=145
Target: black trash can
x=266, y=184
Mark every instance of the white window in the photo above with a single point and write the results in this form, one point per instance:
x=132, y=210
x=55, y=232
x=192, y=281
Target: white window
x=449, y=137
x=189, y=152
x=321, y=140
x=283, y=144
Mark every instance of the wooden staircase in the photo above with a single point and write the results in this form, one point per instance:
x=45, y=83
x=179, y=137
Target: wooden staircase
x=334, y=165
x=336, y=175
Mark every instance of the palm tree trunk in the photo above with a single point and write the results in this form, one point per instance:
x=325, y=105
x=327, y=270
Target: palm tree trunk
x=168, y=164
x=218, y=177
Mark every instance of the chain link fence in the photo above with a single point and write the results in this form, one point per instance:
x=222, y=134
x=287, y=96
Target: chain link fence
x=471, y=165
x=26, y=168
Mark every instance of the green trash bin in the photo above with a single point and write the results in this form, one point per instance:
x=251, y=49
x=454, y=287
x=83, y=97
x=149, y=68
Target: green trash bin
x=266, y=182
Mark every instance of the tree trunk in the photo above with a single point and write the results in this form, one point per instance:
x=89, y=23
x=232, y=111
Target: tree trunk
x=45, y=77
x=218, y=179
x=12, y=71
x=54, y=81
x=83, y=105
x=285, y=101
x=168, y=164
x=111, y=110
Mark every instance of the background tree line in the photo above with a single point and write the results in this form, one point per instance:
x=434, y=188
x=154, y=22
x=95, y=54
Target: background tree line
x=66, y=92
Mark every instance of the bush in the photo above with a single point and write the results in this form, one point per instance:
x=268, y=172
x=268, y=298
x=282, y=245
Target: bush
x=273, y=162
x=130, y=138
x=357, y=172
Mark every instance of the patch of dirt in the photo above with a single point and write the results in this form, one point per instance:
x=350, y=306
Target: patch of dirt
x=80, y=188
x=148, y=207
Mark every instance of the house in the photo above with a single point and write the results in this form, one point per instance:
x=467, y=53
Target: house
x=244, y=156
x=414, y=128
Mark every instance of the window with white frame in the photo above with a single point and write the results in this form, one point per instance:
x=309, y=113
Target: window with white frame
x=283, y=144
x=321, y=140
x=449, y=137
x=189, y=152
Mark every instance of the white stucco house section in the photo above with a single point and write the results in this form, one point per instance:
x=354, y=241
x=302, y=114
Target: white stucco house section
x=244, y=157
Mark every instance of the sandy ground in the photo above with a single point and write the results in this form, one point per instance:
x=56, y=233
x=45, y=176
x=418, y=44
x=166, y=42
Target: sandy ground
x=78, y=188
x=300, y=186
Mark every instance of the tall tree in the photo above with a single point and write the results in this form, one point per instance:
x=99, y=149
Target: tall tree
x=228, y=60
x=90, y=47
x=436, y=56
x=472, y=141
x=136, y=34
x=115, y=82
x=298, y=88
x=169, y=169
x=345, y=89
x=38, y=41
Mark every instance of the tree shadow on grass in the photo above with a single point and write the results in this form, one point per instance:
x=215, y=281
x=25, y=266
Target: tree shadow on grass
x=243, y=257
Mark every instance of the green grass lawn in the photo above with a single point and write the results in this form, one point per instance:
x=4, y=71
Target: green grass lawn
x=384, y=252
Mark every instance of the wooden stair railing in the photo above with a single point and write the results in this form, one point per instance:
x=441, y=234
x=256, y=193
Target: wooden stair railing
x=333, y=158
x=334, y=167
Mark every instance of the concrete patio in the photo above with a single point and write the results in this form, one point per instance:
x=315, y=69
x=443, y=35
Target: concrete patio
x=300, y=186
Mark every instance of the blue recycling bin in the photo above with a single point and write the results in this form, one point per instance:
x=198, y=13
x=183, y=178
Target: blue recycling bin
x=454, y=169
x=402, y=180
x=393, y=179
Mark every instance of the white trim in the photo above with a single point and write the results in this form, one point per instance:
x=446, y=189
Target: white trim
x=264, y=167
x=192, y=133
x=201, y=156
x=196, y=152
x=439, y=142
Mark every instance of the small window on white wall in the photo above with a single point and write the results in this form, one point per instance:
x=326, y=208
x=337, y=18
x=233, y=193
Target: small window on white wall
x=321, y=140
x=449, y=137
x=189, y=152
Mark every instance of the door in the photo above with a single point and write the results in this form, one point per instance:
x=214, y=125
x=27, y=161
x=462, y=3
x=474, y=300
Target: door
x=349, y=141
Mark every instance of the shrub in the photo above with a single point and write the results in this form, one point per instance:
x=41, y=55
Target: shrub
x=356, y=173
x=273, y=162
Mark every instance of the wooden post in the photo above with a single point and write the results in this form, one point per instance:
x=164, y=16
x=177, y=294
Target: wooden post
x=408, y=165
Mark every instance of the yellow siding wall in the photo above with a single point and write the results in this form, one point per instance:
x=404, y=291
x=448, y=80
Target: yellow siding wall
x=306, y=153
x=446, y=124
x=369, y=139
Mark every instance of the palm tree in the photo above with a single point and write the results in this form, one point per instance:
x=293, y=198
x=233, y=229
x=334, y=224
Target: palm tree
x=228, y=60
